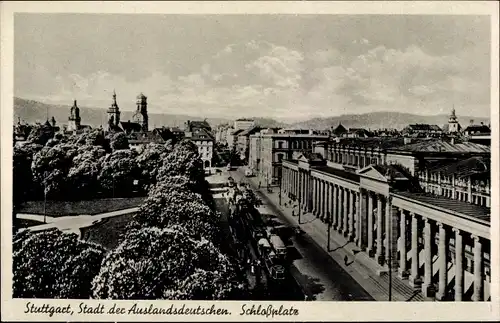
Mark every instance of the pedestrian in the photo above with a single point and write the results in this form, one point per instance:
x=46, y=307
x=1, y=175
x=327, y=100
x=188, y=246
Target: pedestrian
x=293, y=212
x=345, y=260
x=259, y=184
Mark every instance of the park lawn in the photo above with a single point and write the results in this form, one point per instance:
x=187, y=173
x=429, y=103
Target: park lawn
x=88, y=207
x=107, y=233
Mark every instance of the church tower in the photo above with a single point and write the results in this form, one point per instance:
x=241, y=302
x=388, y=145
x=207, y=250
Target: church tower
x=142, y=111
x=453, y=126
x=113, y=114
x=74, y=117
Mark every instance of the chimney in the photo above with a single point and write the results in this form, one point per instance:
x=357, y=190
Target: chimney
x=471, y=121
x=482, y=123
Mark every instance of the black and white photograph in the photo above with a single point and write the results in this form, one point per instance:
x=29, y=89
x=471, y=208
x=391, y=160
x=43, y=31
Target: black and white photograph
x=251, y=157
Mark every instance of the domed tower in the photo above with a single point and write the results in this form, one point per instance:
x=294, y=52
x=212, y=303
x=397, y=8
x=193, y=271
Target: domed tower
x=453, y=126
x=74, y=117
x=113, y=114
x=142, y=111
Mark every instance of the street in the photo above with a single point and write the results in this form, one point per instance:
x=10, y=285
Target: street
x=319, y=275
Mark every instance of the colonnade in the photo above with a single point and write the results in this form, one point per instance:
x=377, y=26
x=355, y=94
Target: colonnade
x=430, y=253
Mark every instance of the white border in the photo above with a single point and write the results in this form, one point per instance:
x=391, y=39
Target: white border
x=331, y=311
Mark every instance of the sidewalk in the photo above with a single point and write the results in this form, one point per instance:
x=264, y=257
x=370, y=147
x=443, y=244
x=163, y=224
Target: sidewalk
x=357, y=264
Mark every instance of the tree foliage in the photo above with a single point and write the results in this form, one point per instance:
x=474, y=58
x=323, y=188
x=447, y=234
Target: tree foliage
x=153, y=263
x=50, y=167
x=21, y=171
x=118, y=173
x=173, y=203
x=119, y=141
x=150, y=160
x=183, y=160
x=53, y=264
x=40, y=134
x=83, y=174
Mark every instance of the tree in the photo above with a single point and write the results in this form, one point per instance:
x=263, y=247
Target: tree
x=53, y=264
x=183, y=160
x=172, y=202
x=91, y=137
x=50, y=167
x=153, y=263
x=83, y=174
x=119, y=141
x=22, y=175
x=118, y=173
x=150, y=160
x=40, y=134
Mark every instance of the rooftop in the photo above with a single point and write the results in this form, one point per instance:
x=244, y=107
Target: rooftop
x=201, y=134
x=436, y=145
x=338, y=172
x=250, y=131
x=463, y=168
x=471, y=210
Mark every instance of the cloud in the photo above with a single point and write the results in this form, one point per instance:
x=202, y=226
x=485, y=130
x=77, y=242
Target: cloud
x=259, y=78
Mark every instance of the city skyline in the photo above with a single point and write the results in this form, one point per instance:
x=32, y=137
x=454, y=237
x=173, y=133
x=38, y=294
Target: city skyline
x=232, y=66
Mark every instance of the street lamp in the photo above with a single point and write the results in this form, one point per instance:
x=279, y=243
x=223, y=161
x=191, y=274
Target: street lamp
x=45, y=197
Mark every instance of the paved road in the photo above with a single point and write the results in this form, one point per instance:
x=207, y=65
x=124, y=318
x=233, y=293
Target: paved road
x=314, y=268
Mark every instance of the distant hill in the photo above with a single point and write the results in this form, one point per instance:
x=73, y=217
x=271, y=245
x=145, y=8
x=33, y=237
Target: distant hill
x=33, y=111
x=381, y=120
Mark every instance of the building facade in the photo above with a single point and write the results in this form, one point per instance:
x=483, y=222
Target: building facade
x=268, y=149
x=451, y=169
x=439, y=247
x=243, y=123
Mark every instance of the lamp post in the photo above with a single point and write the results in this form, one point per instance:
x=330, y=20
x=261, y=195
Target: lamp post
x=45, y=197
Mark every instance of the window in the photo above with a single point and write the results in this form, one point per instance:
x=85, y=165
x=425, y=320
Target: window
x=280, y=144
x=280, y=158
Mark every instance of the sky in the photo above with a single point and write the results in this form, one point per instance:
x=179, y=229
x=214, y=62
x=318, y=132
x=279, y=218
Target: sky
x=287, y=67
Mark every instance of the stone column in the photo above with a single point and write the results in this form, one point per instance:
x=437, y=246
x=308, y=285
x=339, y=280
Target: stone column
x=414, y=276
x=352, y=207
x=459, y=268
x=379, y=251
x=442, y=263
x=328, y=199
x=358, y=230
x=346, y=210
x=387, y=229
x=340, y=209
x=478, y=270
x=363, y=237
x=427, y=285
x=335, y=207
x=402, y=273
x=370, y=224
x=315, y=196
x=323, y=200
